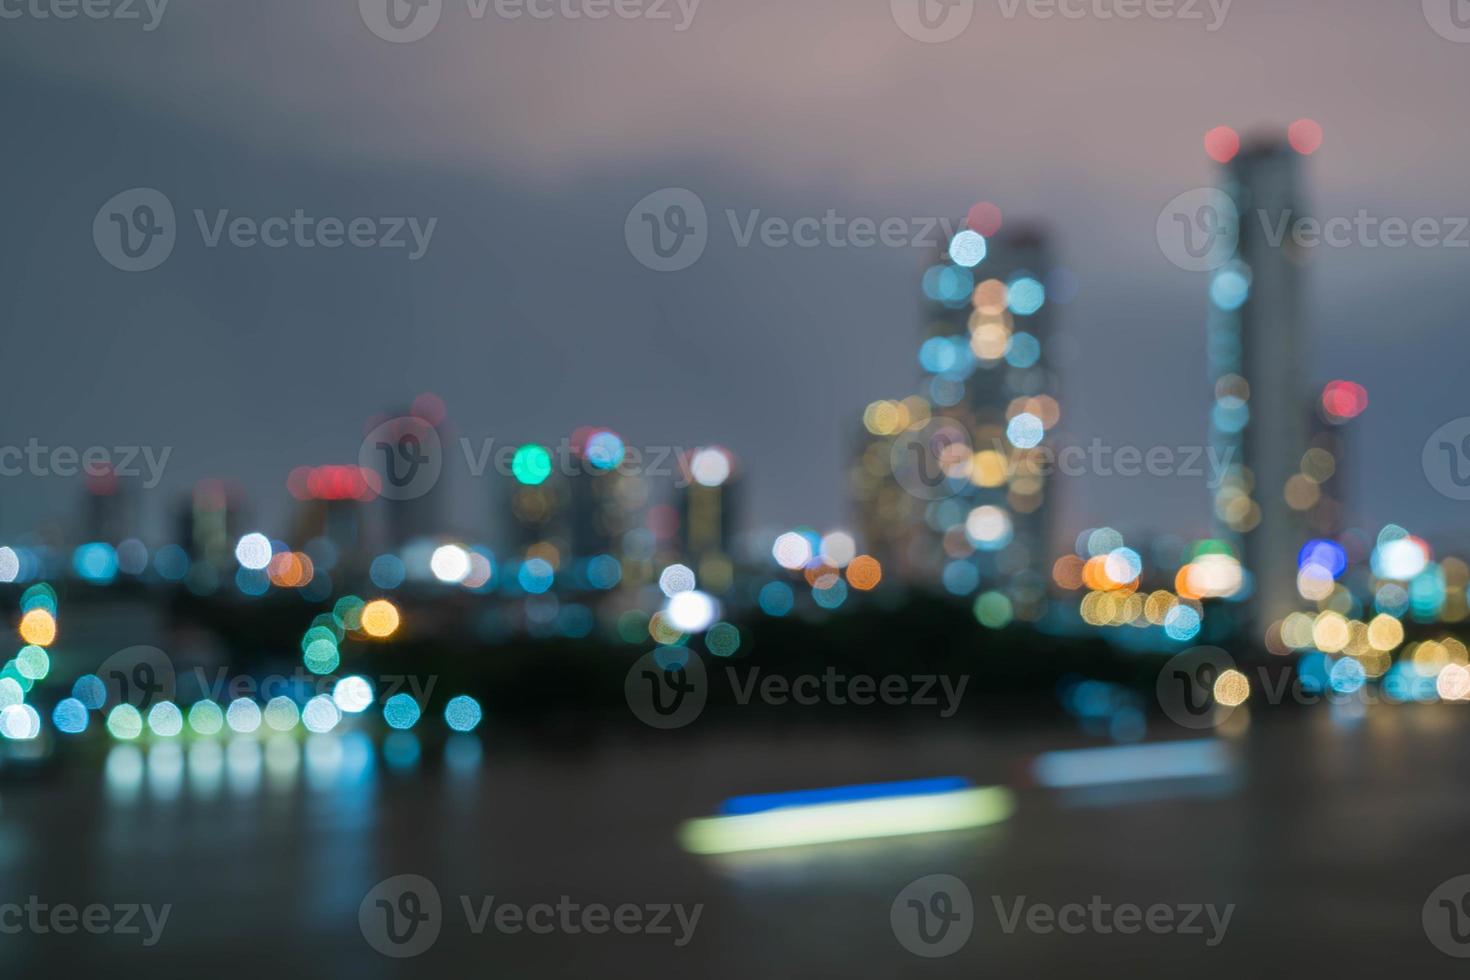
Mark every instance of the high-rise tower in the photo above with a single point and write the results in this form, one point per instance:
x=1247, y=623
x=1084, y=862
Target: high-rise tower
x=1255, y=338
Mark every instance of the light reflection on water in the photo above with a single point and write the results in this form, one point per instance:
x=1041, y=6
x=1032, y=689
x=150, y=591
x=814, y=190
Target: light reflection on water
x=344, y=768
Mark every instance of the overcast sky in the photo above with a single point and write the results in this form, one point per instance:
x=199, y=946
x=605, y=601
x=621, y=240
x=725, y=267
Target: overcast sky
x=529, y=140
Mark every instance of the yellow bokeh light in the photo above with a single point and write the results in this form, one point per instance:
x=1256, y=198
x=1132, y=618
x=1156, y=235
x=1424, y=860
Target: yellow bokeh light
x=989, y=341
x=989, y=469
x=1385, y=633
x=38, y=628
x=1330, y=632
x=1232, y=688
x=380, y=619
x=662, y=630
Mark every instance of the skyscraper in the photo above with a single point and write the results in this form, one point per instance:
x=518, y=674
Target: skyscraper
x=964, y=458
x=1254, y=344
x=708, y=501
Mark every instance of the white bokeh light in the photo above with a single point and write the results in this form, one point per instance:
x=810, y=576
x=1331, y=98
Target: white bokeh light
x=450, y=564
x=253, y=551
x=352, y=694
x=692, y=612
x=792, y=550
x=710, y=467
x=676, y=579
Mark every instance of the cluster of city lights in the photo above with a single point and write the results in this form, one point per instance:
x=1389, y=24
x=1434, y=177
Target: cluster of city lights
x=1111, y=575
x=350, y=695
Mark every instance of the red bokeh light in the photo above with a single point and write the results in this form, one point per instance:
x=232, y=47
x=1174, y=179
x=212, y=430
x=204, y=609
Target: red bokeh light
x=332, y=483
x=984, y=218
x=1343, y=400
x=1305, y=136
x=1222, y=143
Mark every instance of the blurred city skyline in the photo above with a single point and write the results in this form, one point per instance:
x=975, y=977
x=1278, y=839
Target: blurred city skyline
x=529, y=316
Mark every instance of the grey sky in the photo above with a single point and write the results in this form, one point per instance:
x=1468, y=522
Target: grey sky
x=529, y=140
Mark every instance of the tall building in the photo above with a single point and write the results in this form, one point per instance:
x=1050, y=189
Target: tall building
x=1255, y=339
x=572, y=503
x=407, y=451
x=111, y=506
x=968, y=500
x=331, y=507
x=708, y=504
x=212, y=522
